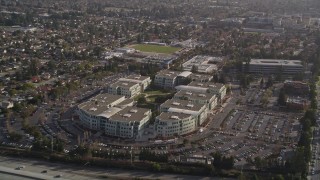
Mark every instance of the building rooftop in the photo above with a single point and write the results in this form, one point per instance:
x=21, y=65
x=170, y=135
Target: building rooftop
x=137, y=77
x=126, y=102
x=185, y=74
x=130, y=114
x=210, y=85
x=201, y=77
x=168, y=73
x=192, y=88
x=100, y=104
x=172, y=116
x=275, y=62
x=203, y=63
x=194, y=95
x=182, y=104
x=122, y=84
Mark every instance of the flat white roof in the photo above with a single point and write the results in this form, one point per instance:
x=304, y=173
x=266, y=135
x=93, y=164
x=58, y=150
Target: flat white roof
x=185, y=73
x=275, y=62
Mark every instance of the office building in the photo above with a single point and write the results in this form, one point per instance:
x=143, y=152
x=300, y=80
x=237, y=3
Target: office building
x=127, y=89
x=210, y=100
x=144, y=81
x=202, y=64
x=198, y=111
x=205, y=87
x=169, y=124
x=273, y=66
x=128, y=123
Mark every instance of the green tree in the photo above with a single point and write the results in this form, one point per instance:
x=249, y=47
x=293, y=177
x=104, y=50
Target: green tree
x=194, y=69
x=141, y=100
x=156, y=167
x=279, y=177
x=282, y=100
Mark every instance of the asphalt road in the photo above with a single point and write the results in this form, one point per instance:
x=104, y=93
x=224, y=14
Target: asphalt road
x=314, y=170
x=315, y=162
x=81, y=172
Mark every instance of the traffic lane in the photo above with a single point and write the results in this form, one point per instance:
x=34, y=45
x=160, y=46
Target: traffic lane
x=84, y=172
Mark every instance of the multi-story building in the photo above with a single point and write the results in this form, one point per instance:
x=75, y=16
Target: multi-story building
x=169, y=124
x=208, y=99
x=144, y=81
x=273, y=66
x=203, y=64
x=114, y=115
x=297, y=103
x=205, y=87
x=296, y=88
x=166, y=79
x=169, y=79
x=198, y=111
x=127, y=89
x=162, y=61
x=94, y=112
x=128, y=123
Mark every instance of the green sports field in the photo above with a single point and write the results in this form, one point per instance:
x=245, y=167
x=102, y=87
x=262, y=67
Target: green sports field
x=155, y=48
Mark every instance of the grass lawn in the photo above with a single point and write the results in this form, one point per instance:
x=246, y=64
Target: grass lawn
x=155, y=48
x=154, y=92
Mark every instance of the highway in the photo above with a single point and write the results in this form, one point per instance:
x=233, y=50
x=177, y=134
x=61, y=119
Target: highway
x=315, y=160
x=314, y=168
x=32, y=168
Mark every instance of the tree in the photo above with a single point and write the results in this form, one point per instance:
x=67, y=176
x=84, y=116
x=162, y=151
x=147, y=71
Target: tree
x=156, y=167
x=12, y=92
x=185, y=141
x=222, y=162
x=261, y=83
x=269, y=82
x=282, y=100
x=279, y=177
x=141, y=100
x=194, y=69
x=13, y=136
x=259, y=163
x=310, y=115
x=244, y=81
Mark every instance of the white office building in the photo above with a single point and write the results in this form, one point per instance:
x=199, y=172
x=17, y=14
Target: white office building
x=273, y=66
x=127, y=123
x=205, y=87
x=203, y=64
x=114, y=115
x=198, y=111
x=169, y=79
x=144, y=81
x=210, y=100
x=169, y=124
x=94, y=112
x=127, y=89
